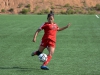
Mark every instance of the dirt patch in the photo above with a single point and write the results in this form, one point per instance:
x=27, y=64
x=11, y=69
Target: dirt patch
x=38, y=5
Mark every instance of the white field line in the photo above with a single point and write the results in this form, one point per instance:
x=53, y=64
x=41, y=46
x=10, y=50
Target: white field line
x=97, y=16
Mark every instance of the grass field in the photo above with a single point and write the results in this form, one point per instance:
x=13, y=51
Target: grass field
x=77, y=50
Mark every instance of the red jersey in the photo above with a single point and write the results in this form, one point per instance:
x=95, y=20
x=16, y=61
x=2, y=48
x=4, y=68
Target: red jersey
x=50, y=31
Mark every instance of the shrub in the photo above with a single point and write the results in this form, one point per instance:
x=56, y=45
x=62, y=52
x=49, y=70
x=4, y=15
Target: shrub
x=43, y=11
x=70, y=11
x=40, y=12
x=46, y=11
x=97, y=7
x=78, y=11
x=25, y=11
x=52, y=7
x=20, y=5
x=91, y=12
x=62, y=12
x=11, y=10
x=36, y=8
x=28, y=6
x=66, y=5
x=3, y=10
x=92, y=8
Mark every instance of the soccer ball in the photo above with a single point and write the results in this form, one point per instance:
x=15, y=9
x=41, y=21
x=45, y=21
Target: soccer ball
x=42, y=57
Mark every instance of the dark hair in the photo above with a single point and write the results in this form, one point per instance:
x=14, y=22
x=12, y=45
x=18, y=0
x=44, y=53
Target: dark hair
x=50, y=14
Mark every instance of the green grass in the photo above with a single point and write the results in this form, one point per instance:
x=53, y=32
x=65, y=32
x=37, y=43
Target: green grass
x=77, y=50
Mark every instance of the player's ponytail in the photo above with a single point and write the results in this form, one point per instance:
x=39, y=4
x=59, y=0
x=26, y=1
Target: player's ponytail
x=50, y=14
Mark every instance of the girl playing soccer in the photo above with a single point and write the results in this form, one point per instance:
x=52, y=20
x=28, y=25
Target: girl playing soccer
x=49, y=38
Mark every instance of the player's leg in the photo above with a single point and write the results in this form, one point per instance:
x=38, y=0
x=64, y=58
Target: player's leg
x=51, y=49
x=49, y=57
x=41, y=48
x=39, y=51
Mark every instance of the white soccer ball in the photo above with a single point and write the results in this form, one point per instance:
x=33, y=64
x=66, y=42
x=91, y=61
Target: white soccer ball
x=42, y=57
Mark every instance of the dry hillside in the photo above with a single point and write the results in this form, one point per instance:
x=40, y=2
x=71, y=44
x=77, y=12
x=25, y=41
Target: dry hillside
x=15, y=6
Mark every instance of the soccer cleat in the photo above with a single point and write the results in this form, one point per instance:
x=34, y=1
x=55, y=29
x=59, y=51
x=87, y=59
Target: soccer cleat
x=33, y=54
x=44, y=68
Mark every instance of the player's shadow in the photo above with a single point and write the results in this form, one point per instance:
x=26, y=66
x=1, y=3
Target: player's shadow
x=18, y=68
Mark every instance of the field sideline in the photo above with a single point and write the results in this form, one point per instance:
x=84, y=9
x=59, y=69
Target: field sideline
x=77, y=50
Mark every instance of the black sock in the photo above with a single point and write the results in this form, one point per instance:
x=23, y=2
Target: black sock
x=38, y=53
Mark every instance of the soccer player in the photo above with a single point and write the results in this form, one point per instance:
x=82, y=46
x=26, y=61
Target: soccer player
x=49, y=38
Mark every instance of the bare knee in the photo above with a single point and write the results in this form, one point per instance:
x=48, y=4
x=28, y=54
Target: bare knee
x=51, y=50
x=41, y=48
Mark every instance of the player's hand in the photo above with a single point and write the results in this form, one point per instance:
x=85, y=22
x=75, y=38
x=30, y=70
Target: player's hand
x=34, y=39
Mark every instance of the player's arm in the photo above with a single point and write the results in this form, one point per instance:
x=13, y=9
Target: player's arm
x=35, y=35
x=60, y=29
